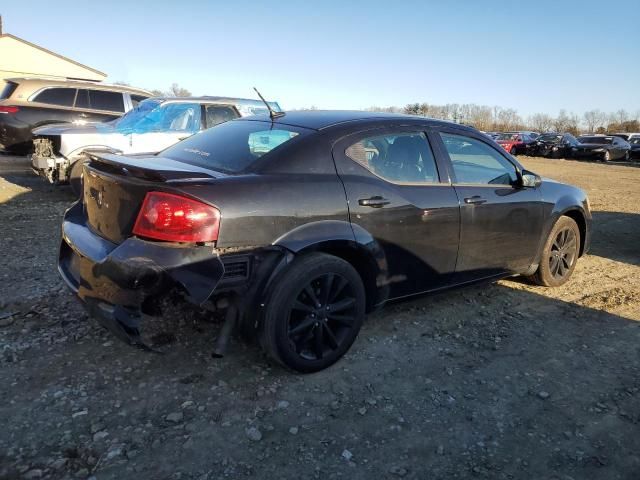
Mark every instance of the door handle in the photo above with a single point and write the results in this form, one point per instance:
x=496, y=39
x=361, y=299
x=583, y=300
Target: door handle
x=374, y=202
x=475, y=200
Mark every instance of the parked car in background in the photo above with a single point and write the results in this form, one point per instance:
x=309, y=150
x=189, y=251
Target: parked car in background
x=603, y=147
x=515, y=143
x=626, y=136
x=555, y=145
x=154, y=125
x=635, y=147
x=28, y=103
x=301, y=223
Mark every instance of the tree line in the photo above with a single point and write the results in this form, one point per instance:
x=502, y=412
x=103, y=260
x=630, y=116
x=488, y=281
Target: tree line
x=499, y=119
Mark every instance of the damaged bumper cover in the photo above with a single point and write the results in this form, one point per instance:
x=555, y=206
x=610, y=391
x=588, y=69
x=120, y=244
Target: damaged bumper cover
x=116, y=281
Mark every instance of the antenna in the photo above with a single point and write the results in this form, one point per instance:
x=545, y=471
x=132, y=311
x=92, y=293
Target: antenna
x=272, y=113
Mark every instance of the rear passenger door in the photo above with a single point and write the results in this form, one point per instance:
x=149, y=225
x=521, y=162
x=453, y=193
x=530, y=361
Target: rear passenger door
x=501, y=222
x=396, y=195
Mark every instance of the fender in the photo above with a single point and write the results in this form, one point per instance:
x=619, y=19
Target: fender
x=350, y=242
x=565, y=204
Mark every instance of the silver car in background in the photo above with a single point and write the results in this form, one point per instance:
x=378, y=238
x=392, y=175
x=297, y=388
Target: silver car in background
x=155, y=124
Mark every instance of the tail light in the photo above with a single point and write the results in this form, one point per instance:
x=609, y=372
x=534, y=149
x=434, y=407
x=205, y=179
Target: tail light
x=4, y=109
x=174, y=218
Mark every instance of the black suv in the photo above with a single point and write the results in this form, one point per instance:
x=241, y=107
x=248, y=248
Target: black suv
x=27, y=103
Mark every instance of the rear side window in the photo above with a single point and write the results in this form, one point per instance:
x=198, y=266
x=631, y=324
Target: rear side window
x=104, y=100
x=475, y=162
x=57, y=96
x=8, y=90
x=216, y=114
x=397, y=158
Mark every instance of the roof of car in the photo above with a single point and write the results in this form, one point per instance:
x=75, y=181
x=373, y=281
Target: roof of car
x=213, y=99
x=319, y=119
x=39, y=82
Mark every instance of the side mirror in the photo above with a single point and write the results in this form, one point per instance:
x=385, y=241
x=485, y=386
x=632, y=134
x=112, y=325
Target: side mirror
x=530, y=179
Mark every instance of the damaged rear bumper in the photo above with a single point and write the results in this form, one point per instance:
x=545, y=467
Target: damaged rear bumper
x=117, y=283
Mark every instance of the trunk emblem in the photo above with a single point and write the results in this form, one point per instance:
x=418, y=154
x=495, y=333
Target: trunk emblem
x=98, y=196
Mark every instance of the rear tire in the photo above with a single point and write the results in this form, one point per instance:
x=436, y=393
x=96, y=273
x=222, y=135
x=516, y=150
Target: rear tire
x=559, y=255
x=607, y=156
x=513, y=151
x=313, y=313
x=627, y=156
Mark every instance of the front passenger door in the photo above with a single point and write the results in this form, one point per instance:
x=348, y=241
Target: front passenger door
x=501, y=222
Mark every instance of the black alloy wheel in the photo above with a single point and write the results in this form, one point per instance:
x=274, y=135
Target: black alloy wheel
x=322, y=316
x=313, y=313
x=559, y=255
x=563, y=253
x=627, y=156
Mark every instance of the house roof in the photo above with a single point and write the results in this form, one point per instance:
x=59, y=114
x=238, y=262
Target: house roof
x=62, y=57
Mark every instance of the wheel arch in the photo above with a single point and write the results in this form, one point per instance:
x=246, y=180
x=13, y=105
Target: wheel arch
x=578, y=216
x=350, y=243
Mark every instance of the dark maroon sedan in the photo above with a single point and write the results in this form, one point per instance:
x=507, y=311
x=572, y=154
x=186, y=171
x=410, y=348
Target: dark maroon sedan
x=299, y=224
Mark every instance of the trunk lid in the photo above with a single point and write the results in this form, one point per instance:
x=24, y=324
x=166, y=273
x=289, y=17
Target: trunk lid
x=114, y=188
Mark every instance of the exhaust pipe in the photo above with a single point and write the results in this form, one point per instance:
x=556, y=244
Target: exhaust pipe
x=230, y=320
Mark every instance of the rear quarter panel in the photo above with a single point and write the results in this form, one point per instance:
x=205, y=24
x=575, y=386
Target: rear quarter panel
x=257, y=210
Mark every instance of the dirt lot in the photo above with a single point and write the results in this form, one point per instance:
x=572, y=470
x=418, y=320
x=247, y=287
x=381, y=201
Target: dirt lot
x=497, y=381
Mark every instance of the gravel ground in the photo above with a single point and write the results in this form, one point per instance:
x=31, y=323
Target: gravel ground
x=497, y=381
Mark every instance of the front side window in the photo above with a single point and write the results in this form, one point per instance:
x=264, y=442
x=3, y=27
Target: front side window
x=475, y=162
x=104, y=100
x=233, y=147
x=57, y=96
x=397, y=158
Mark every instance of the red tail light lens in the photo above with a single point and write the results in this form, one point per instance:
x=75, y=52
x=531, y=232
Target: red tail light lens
x=174, y=218
x=9, y=109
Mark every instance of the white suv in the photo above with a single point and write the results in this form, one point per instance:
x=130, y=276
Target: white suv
x=155, y=124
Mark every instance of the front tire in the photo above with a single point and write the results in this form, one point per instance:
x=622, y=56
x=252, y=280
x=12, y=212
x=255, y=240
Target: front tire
x=559, y=255
x=513, y=151
x=607, y=156
x=627, y=156
x=314, y=313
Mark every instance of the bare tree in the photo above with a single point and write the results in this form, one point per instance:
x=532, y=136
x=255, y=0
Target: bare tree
x=178, y=91
x=540, y=122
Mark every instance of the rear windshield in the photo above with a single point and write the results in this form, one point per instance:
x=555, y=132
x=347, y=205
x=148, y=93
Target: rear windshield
x=8, y=90
x=596, y=140
x=232, y=147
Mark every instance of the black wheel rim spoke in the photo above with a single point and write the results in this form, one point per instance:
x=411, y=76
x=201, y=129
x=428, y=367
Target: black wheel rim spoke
x=298, y=305
x=321, y=316
x=319, y=342
x=342, y=319
x=302, y=326
x=331, y=338
x=342, y=305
